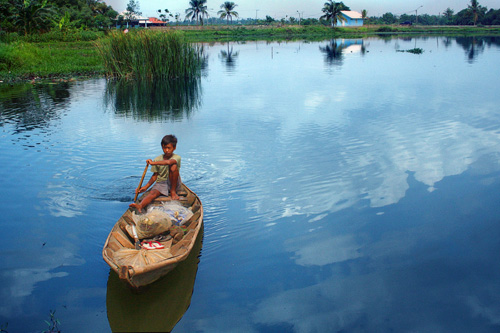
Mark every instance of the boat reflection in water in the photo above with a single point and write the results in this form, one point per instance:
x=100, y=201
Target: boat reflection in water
x=158, y=307
x=154, y=100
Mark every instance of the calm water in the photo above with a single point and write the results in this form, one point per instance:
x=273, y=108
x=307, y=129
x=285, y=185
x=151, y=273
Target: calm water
x=347, y=187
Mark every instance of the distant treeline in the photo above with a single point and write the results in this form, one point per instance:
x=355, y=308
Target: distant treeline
x=463, y=17
x=35, y=16
x=448, y=17
x=26, y=17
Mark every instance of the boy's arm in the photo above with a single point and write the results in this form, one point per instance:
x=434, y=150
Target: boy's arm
x=163, y=162
x=150, y=182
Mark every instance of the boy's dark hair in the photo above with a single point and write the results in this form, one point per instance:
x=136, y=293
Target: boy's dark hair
x=169, y=139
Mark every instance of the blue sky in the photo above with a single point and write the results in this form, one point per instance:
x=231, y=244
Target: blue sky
x=306, y=8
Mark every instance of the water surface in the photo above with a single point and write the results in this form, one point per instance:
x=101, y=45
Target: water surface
x=347, y=185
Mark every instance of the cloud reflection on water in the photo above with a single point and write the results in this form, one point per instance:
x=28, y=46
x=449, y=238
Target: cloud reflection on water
x=24, y=271
x=374, y=166
x=392, y=272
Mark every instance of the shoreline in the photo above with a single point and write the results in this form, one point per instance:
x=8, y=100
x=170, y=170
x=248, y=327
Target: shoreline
x=56, y=61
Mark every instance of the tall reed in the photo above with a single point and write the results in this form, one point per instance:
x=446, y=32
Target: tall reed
x=148, y=54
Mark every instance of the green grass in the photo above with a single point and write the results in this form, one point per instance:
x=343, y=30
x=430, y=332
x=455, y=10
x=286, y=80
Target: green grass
x=22, y=60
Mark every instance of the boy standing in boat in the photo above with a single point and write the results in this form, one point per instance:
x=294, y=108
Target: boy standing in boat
x=165, y=176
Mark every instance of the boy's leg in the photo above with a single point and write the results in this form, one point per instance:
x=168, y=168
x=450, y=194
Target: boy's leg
x=173, y=177
x=153, y=194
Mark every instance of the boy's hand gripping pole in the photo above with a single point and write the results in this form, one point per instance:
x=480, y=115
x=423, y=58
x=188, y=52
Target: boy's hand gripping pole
x=140, y=184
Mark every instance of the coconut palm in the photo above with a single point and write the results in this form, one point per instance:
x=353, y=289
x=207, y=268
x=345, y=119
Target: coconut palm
x=227, y=11
x=333, y=13
x=364, y=15
x=474, y=9
x=197, y=10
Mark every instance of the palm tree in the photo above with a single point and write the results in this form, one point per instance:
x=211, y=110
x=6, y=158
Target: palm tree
x=474, y=9
x=227, y=11
x=333, y=13
x=364, y=15
x=197, y=10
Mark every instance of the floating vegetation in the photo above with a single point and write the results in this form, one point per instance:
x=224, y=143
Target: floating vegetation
x=150, y=54
x=416, y=50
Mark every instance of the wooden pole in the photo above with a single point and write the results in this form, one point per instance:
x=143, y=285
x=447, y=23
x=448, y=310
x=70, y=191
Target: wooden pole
x=140, y=183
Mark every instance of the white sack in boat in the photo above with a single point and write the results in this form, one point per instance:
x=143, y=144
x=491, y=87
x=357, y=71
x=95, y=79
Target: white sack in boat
x=154, y=222
x=177, y=212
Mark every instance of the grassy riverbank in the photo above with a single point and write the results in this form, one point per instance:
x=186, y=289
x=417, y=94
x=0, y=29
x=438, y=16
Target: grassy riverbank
x=27, y=58
x=289, y=32
x=23, y=61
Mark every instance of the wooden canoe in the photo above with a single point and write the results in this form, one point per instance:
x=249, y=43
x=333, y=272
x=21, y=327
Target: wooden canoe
x=160, y=306
x=140, y=267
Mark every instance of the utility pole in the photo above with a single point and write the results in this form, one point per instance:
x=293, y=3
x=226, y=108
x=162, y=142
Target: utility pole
x=416, y=14
x=256, y=11
x=299, y=15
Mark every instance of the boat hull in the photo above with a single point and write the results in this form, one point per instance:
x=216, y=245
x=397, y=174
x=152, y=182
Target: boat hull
x=139, y=267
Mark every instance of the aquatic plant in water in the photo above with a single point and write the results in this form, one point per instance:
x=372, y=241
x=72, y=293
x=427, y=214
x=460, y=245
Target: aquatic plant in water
x=149, y=54
x=416, y=50
x=53, y=325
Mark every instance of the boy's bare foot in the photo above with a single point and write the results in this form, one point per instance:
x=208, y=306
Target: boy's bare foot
x=136, y=206
x=173, y=195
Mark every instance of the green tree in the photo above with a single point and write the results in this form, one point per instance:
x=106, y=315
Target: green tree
x=165, y=17
x=227, y=11
x=474, y=8
x=333, y=13
x=85, y=13
x=389, y=18
x=364, y=16
x=492, y=17
x=133, y=10
x=197, y=10
x=32, y=15
x=448, y=15
x=5, y=14
x=63, y=22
